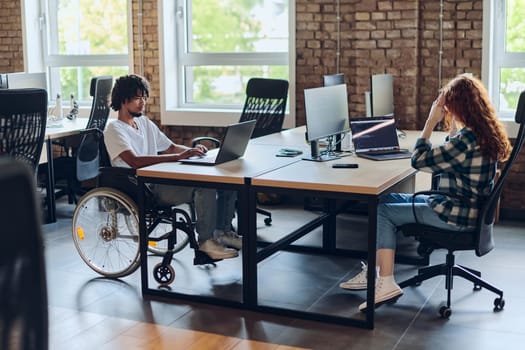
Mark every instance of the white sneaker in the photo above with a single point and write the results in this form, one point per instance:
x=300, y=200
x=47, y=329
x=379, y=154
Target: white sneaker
x=216, y=251
x=386, y=291
x=228, y=239
x=358, y=282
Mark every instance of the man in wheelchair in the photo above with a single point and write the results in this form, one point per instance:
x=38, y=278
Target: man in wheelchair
x=134, y=141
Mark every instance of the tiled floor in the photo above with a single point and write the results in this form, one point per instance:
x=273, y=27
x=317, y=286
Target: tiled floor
x=88, y=312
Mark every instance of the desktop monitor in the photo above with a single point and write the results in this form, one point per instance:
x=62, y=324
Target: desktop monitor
x=333, y=79
x=24, y=80
x=381, y=95
x=3, y=81
x=330, y=80
x=326, y=111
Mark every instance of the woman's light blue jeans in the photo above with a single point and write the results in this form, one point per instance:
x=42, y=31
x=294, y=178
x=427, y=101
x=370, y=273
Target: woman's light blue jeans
x=395, y=209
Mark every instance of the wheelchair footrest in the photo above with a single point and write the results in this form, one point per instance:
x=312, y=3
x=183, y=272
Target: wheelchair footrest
x=202, y=258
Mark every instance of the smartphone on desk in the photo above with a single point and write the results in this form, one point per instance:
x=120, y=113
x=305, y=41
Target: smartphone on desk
x=345, y=165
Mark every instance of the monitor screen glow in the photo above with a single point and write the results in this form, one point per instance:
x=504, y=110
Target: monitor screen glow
x=326, y=111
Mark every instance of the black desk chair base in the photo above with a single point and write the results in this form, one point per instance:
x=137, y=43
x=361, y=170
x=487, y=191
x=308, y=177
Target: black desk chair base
x=449, y=269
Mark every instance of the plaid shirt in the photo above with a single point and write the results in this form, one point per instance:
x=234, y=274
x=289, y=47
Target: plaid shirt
x=463, y=171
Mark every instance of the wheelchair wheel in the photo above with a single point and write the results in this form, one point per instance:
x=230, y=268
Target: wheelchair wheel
x=105, y=232
x=161, y=227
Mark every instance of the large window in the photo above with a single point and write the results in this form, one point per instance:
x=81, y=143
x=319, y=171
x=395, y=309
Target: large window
x=210, y=49
x=504, y=53
x=79, y=39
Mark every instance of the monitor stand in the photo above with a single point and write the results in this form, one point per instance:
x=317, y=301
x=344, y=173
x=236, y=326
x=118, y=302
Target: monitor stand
x=316, y=157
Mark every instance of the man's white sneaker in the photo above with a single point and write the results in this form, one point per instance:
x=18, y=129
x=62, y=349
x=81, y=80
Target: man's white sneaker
x=217, y=251
x=386, y=291
x=228, y=239
x=358, y=282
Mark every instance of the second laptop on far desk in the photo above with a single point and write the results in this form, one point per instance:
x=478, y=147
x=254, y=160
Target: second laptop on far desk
x=376, y=138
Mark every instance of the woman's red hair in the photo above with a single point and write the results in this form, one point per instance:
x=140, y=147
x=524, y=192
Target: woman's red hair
x=467, y=100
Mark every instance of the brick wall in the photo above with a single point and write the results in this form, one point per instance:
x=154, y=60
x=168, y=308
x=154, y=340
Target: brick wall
x=400, y=37
x=11, y=49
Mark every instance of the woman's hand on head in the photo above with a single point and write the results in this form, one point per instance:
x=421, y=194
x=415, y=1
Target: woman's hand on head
x=437, y=111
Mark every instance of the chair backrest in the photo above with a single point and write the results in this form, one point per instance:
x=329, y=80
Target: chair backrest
x=23, y=290
x=91, y=154
x=88, y=153
x=485, y=241
x=265, y=102
x=100, y=89
x=23, y=116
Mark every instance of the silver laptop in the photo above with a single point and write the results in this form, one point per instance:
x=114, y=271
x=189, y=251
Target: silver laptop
x=376, y=138
x=232, y=147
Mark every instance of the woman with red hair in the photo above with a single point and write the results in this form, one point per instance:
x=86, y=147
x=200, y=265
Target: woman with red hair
x=466, y=164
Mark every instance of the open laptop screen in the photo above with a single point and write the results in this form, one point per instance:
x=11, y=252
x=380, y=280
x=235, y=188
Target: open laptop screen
x=377, y=133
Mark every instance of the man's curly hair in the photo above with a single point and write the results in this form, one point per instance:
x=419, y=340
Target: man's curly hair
x=127, y=87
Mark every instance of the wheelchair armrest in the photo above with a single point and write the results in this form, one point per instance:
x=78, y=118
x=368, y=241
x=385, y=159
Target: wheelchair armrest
x=117, y=171
x=198, y=140
x=123, y=179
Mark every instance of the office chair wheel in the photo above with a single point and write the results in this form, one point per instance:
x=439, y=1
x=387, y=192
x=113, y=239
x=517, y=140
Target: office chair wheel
x=499, y=304
x=163, y=274
x=105, y=232
x=445, y=311
x=268, y=221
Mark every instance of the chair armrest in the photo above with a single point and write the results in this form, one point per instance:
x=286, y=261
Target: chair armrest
x=198, y=140
x=434, y=192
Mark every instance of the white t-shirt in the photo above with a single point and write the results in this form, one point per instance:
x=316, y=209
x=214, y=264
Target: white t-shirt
x=147, y=140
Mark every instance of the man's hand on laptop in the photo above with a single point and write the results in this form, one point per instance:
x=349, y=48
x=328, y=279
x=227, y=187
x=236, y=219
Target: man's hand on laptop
x=196, y=152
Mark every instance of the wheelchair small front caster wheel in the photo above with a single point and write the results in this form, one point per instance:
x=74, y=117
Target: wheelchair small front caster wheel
x=268, y=221
x=163, y=274
x=445, y=312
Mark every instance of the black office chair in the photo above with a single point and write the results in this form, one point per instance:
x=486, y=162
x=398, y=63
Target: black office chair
x=479, y=239
x=23, y=293
x=23, y=116
x=81, y=162
x=266, y=103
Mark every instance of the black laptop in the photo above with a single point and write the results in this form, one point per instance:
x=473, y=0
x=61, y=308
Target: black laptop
x=232, y=147
x=376, y=138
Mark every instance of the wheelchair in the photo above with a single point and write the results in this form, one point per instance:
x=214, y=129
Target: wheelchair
x=105, y=227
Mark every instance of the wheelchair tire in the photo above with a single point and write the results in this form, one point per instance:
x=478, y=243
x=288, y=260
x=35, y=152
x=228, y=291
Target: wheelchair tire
x=105, y=232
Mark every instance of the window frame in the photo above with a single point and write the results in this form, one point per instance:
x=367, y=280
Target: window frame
x=36, y=15
x=173, y=111
x=494, y=57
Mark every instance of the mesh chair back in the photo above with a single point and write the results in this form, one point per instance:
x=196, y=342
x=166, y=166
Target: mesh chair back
x=100, y=89
x=265, y=102
x=485, y=241
x=23, y=116
x=23, y=293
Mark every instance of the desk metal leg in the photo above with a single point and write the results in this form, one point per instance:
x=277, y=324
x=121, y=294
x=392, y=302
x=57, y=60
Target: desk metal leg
x=249, y=212
x=50, y=184
x=143, y=237
x=372, y=238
